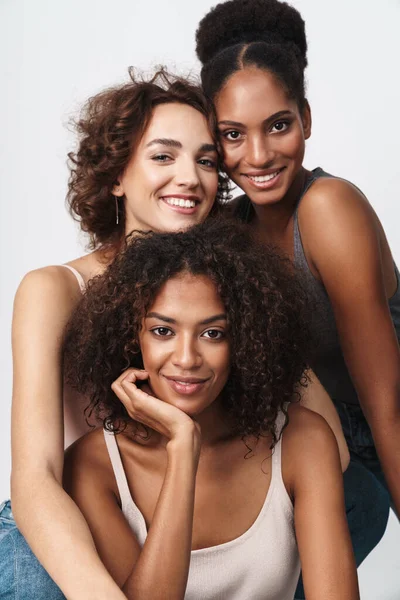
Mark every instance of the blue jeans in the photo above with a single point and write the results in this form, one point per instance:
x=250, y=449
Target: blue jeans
x=366, y=495
x=22, y=577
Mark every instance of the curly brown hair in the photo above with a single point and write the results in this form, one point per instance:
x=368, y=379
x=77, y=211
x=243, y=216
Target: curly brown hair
x=110, y=126
x=266, y=312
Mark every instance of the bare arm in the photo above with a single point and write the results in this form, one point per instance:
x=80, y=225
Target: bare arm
x=57, y=533
x=316, y=398
x=160, y=569
x=326, y=554
x=347, y=253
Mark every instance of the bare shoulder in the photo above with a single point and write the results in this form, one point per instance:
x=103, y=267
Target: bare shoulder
x=337, y=222
x=333, y=199
x=308, y=444
x=306, y=424
x=89, y=449
x=52, y=282
x=87, y=460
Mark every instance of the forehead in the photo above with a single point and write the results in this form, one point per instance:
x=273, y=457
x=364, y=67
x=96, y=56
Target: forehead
x=252, y=93
x=188, y=297
x=179, y=122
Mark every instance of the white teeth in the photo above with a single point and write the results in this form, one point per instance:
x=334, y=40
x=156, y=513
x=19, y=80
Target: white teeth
x=181, y=202
x=263, y=178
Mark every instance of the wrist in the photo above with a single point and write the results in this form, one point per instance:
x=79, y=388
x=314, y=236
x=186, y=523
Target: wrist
x=186, y=446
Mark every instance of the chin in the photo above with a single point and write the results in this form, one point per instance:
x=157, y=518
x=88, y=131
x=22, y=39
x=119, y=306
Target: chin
x=190, y=406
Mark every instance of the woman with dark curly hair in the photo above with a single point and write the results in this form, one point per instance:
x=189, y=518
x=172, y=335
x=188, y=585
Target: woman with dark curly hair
x=147, y=159
x=254, y=53
x=202, y=488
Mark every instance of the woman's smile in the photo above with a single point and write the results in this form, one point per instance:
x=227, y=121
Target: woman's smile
x=186, y=385
x=184, y=343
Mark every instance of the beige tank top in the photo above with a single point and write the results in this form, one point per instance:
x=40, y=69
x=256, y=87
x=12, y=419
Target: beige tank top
x=261, y=564
x=75, y=425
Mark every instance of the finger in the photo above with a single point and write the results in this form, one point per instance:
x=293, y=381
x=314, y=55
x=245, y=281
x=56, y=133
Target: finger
x=147, y=389
x=133, y=375
x=121, y=394
x=135, y=393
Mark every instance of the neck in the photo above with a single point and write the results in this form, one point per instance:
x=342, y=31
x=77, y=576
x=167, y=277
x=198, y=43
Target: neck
x=213, y=422
x=271, y=221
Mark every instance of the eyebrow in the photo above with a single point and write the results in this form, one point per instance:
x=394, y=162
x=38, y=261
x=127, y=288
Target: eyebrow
x=165, y=142
x=155, y=315
x=208, y=148
x=281, y=113
x=170, y=143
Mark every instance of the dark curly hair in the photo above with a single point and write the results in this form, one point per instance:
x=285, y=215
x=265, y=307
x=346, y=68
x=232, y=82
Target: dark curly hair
x=266, y=312
x=109, y=128
x=267, y=34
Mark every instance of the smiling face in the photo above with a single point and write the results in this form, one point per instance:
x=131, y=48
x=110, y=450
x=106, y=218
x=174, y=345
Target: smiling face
x=171, y=180
x=263, y=134
x=184, y=343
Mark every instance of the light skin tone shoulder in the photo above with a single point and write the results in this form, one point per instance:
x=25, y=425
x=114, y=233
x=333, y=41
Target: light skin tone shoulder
x=263, y=133
x=174, y=161
x=185, y=351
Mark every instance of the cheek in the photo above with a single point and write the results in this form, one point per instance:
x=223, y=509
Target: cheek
x=233, y=155
x=145, y=177
x=152, y=358
x=293, y=144
x=212, y=184
x=221, y=361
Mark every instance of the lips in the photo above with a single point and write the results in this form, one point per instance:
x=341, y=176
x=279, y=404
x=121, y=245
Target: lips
x=264, y=180
x=186, y=385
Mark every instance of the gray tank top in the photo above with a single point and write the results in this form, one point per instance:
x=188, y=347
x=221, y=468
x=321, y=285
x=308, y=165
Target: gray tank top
x=328, y=361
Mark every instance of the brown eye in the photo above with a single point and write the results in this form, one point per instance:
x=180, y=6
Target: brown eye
x=162, y=332
x=213, y=334
x=161, y=158
x=280, y=126
x=232, y=135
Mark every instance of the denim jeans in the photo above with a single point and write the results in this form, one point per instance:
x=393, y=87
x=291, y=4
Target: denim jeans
x=366, y=495
x=22, y=577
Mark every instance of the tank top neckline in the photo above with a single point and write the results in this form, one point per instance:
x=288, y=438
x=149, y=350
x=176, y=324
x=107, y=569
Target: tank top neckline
x=127, y=502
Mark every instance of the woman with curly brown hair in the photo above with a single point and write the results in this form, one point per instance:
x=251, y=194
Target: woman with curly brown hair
x=147, y=159
x=203, y=488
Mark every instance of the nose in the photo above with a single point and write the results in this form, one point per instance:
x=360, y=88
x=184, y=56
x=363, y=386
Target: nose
x=187, y=355
x=259, y=154
x=187, y=174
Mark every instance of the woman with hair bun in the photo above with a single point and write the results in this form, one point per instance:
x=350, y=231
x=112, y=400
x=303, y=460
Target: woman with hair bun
x=202, y=488
x=254, y=53
x=147, y=160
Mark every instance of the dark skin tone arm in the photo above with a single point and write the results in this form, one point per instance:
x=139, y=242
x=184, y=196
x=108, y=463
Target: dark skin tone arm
x=313, y=477
x=351, y=258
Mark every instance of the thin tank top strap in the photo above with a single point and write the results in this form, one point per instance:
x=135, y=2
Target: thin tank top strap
x=311, y=177
x=118, y=468
x=79, y=278
x=277, y=478
x=299, y=254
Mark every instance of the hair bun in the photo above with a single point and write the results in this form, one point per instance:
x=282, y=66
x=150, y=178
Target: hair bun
x=245, y=21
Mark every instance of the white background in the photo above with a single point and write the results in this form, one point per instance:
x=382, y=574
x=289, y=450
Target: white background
x=55, y=54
